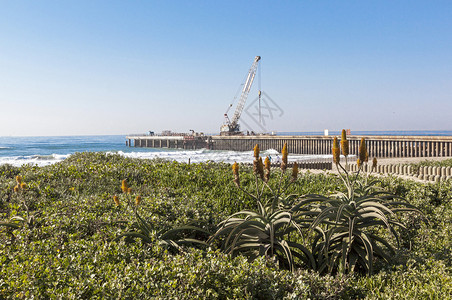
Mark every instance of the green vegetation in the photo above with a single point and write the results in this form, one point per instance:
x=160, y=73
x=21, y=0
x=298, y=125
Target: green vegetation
x=67, y=238
x=434, y=163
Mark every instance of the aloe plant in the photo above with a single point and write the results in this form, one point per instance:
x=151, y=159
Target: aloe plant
x=17, y=222
x=348, y=239
x=267, y=231
x=173, y=239
x=346, y=224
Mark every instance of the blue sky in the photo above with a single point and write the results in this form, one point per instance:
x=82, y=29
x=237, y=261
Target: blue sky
x=120, y=67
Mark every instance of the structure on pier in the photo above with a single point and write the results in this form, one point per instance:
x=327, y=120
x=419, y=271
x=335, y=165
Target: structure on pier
x=378, y=146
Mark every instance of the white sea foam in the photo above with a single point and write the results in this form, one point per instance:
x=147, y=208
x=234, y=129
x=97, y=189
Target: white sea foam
x=204, y=155
x=39, y=160
x=195, y=156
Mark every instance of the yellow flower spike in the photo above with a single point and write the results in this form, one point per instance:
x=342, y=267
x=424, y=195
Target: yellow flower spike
x=267, y=163
x=255, y=166
x=16, y=188
x=116, y=199
x=374, y=164
x=336, y=151
x=344, y=144
x=358, y=162
x=284, y=153
x=23, y=185
x=267, y=166
x=256, y=151
x=363, y=156
x=124, y=186
x=138, y=200
x=294, y=171
x=235, y=171
x=129, y=191
x=343, y=135
x=19, y=179
x=261, y=168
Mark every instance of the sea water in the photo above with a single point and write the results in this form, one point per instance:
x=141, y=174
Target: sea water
x=43, y=151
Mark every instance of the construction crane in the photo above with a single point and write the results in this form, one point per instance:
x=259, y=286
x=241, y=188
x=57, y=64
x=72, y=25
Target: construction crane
x=231, y=127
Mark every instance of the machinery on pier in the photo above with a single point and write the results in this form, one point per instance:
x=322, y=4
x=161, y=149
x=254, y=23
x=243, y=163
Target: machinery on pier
x=232, y=127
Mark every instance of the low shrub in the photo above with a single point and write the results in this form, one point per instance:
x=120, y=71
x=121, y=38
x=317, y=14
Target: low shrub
x=69, y=251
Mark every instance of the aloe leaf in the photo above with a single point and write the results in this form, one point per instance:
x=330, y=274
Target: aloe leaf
x=144, y=226
x=281, y=222
x=307, y=254
x=192, y=241
x=10, y=225
x=369, y=251
x=236, y=234
x=261, y=209
x=339, y=212
x=375, y=213
x=236, y=242
x=326, y=213
x=247, y=246
x=278, y=214
x=285, y=247
x=175, y=231
x=377, y=205
x=17, y=218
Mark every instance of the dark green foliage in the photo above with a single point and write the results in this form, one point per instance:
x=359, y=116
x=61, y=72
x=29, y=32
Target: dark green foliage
x=68, y=251
x=434, y=163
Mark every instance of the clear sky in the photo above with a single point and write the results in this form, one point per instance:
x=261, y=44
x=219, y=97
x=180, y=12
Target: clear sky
x=120, y=67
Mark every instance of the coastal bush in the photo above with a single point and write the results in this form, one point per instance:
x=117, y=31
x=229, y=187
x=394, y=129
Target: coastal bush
x=69, y=252
x=434, y=163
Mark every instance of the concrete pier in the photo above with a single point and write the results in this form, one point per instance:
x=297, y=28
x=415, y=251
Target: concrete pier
x=378, y=146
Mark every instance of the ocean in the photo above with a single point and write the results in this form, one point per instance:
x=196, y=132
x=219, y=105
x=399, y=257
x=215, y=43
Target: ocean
x=44, y=151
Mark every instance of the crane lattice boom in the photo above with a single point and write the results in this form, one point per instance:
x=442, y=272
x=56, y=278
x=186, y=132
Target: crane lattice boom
x=232, y=127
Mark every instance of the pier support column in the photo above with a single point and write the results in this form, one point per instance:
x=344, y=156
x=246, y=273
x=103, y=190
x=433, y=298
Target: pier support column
x=391, y=149
x=387, y=148
x=379, y=149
